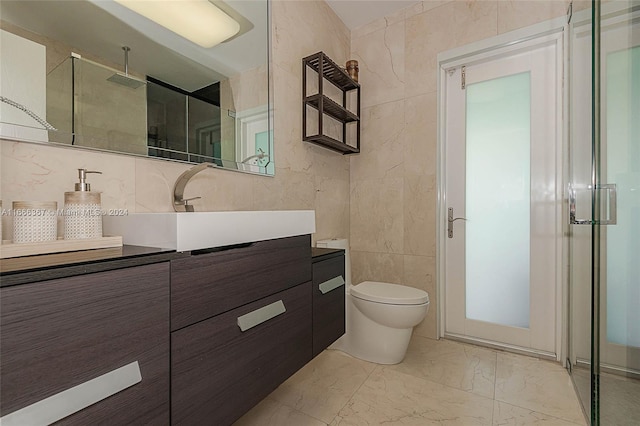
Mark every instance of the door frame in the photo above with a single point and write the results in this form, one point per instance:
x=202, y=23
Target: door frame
x=550, y=31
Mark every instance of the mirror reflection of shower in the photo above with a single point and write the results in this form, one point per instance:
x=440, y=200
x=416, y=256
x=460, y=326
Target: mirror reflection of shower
x=256, y=158
x=44, y=123
x=126, y=79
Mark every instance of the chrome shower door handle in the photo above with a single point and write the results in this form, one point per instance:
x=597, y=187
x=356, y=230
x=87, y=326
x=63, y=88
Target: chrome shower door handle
x=609, y=209
x=612, y=205
x=450, y=220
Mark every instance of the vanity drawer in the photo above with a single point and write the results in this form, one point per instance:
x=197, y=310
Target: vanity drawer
x=61, y=333
x=208, y=284
x=219, y=372
x=328, y=302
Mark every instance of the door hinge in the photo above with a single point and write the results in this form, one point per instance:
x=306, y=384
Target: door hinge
x=463, y=77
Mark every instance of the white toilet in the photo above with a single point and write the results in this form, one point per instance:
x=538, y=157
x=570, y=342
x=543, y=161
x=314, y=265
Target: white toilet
x=380, y=316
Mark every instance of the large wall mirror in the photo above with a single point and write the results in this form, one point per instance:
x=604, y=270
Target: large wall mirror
x=98, y=74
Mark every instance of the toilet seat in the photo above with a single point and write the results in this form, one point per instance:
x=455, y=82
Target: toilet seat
x=392, y=294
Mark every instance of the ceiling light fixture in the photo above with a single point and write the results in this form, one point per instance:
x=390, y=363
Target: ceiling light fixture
x=199, y=21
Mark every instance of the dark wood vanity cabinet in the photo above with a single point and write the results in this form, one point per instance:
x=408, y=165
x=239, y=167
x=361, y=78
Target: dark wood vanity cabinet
x=208, y=284
x=328, y=300
x=219, y=371
x=61, y=333
x=200, y=337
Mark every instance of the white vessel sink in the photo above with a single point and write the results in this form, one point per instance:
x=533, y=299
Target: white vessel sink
x=201, y=230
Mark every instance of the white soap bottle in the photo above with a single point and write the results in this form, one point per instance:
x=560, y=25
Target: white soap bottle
x=82, y=210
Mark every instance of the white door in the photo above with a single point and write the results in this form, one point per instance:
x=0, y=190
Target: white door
x=502, y=143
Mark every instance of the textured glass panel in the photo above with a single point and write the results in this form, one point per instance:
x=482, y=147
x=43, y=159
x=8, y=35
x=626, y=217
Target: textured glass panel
x=498, y=200
x=623, y=168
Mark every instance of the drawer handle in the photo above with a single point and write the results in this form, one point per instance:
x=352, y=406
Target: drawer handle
x=72, y=400
x=331, y=284
x=257, y=317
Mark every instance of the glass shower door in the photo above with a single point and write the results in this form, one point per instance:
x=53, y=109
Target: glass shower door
x=605, y=211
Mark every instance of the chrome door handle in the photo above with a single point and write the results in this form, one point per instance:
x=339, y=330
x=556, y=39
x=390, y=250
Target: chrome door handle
x=450, y=220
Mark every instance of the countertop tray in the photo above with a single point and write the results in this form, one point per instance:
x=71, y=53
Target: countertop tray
x=9, y=249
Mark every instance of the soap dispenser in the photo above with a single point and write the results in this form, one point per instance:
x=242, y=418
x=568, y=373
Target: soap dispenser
x=82, y=210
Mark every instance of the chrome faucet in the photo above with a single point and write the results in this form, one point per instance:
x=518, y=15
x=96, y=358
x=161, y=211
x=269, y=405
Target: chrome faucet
x=181, y=204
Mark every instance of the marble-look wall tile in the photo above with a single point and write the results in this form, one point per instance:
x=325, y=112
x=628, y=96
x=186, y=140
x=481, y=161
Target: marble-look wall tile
x=432, y=4
x=292, y=41
x=369, y=28
x=420, y=215
x=474, y=20
x=420, y=145
x=439, y=29
x=290, y=151
x=40, y=172
x=420, y=272
x=385, y=267
x=45, y=172
x=332, y=208
x=383, y=135
x=219, y=190
x=514, y=14
x=302, y=28
x=584, y=4
x=155, y=180
x=327, y=163
x=289, y=190
x=376, y=216
x=426, y=35
x=381, y=61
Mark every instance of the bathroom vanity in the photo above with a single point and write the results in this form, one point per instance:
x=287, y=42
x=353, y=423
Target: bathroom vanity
x=155, y=336
x=328, y=297
x=93, y=322
x=241, y=325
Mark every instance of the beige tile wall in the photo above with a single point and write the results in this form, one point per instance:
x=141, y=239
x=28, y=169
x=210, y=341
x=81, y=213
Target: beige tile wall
x=393, y=180
x=307, y=177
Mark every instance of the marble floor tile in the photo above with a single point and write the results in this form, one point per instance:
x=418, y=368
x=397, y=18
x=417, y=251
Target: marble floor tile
x=619, y=400
x=324, y=386
x=619, y=397
x=509, y=415
x=391, y=397
x=538, y=385
x=465, y=367
x=440, y=382
x=272, y=413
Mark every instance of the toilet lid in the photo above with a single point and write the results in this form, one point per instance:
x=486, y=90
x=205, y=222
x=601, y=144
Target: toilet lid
x=389, y=293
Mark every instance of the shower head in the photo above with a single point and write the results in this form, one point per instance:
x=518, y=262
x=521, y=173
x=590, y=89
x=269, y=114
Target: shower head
x=125, y=79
